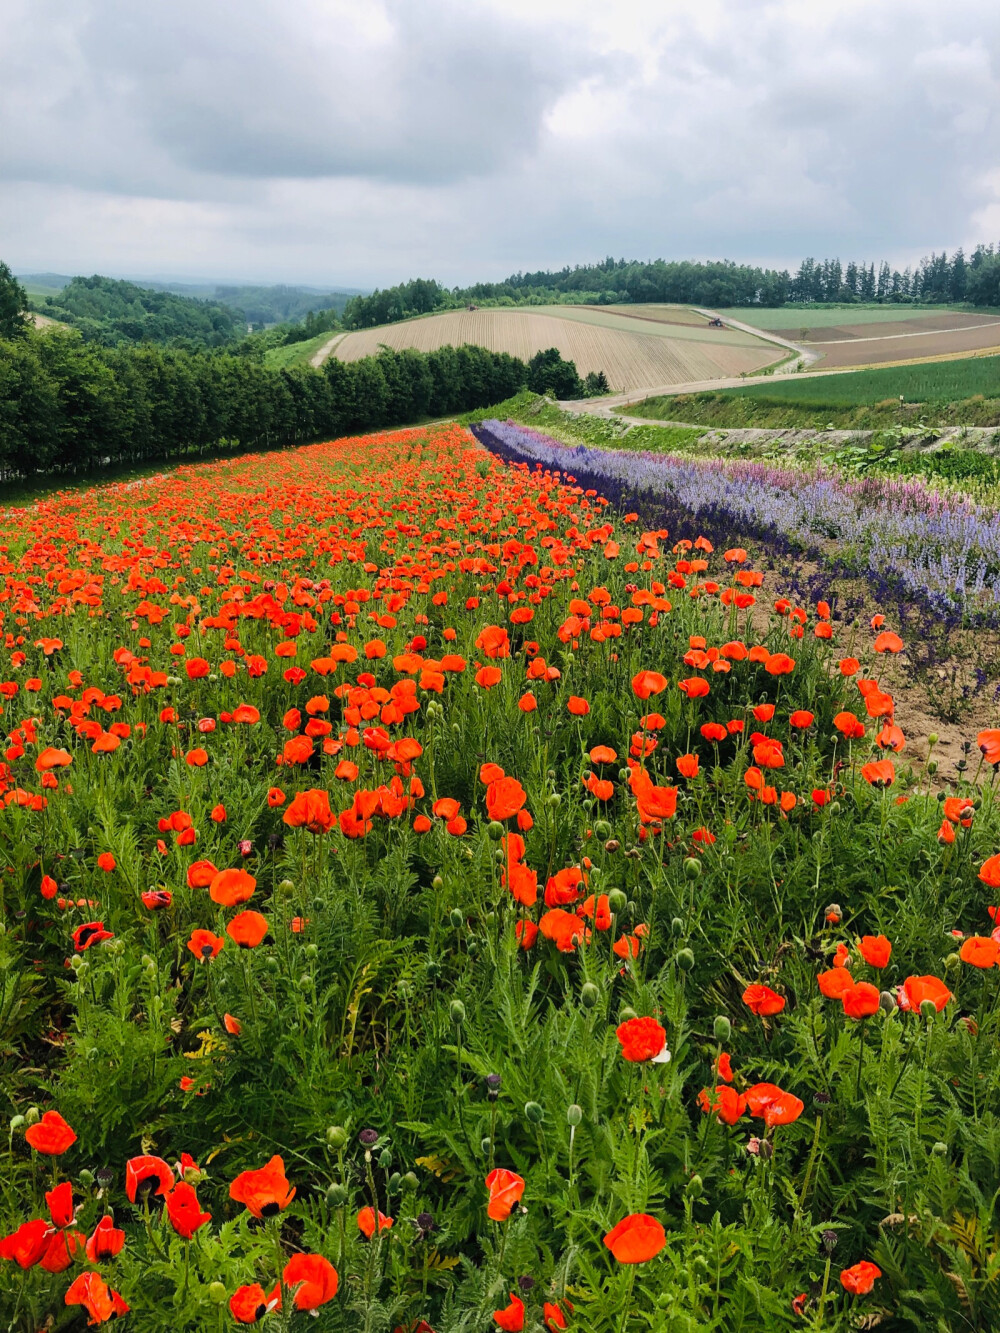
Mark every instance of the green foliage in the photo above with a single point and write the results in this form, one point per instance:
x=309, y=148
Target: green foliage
x=13, y=305
x=114, y=313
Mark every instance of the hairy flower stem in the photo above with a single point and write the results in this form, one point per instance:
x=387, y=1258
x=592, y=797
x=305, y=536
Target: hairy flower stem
x=810, y=1164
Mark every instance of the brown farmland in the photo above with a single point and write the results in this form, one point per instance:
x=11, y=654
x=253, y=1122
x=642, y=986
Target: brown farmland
x=865, y=344
x=634, y=351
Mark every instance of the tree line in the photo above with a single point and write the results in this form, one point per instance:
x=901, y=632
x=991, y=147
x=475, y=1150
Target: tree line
x=67, y=405
x=718, y=284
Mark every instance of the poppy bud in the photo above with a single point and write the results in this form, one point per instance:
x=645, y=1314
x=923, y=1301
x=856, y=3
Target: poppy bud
x=692, y=867
x=472, y=945
x=625, y=1013
x=685, y=959
x=494, y=830
x=677, y=925
x=76, y=962
x=336, y=1137
x=385, y=1159
x=834, y=807
x=952, y=962
x=589, y=994
x=456, y=1013
x=336, y=1195
x=829, y=1239
x=940, y=1149
x=394, y=1182
x=32, y=1115
x=217, y=1293
x=533, y=1112
x=612, y=845
x=722, y=1028
x=410, y=1180
x=305, y=982
x=86, y=1178
x=574, y=1115
x=245, y=846
x=694, y=1187
x=437, y=883
x=553, y=800
x=286, y=886
x=617, y=901
x=500, y=856
x=456, y=918
x=271, y=963
x=701, y=1267
x=887, y=1002
x=932, y=766
x=933, y=738
x=602, y=829
x=623, y=775
x=433, y=969
x=928, y=1008
x=484, y=1144
x=311, y=951
x=17, y=1122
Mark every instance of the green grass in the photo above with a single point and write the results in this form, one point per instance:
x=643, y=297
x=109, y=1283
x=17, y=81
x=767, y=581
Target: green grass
x=533, y=410
x=965, y=392
x=296, y=354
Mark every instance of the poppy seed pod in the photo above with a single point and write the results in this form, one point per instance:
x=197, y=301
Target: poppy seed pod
x=829, y=1239
x=456, y=1012
x=685, y=959
x=589, y=995
x=368, y=1138
x=722, y=1028
x=612, y=845
x=574, y=1115
x=533, y=1112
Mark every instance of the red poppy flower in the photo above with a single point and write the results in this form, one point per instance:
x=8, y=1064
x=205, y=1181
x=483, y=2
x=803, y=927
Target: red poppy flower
x=918, y=989
x=724, y=1102
x=641, y=1039
x=106, y=862
x=106, y=1242
x=879, y=773
x=366, y=1222
x=51, y=1135
x=264, y=1192
x=636, y=1239
x=251, y=1303
x=763, y=1001
x=860, y=1279
x=989, y=871
x=311, y=810
x=90, y=933
x=772, y=1105
x=184, y=1210
x=511, y=1317
x=647, y=683
x=27, y=1244
x=834, y=982
x=979, y=951
x=91, y=1291
x=875, y=950
x=146, y=1177
x=504, y=798
x=506, y=1188
x=313, y=1279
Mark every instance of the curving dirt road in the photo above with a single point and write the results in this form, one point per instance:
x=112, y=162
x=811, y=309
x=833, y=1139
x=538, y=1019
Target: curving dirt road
x=317, y=358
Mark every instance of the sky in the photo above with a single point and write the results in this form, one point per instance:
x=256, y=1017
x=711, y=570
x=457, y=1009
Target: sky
x=364, y=142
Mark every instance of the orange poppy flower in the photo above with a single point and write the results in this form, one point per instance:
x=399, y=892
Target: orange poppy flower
x=918, y=989
x=989, y=871
x=879, y=773
x=506, y=1188
x=311, y=809
x=687, y=765
x=504, y=798
x=833, y=983
x=229, y=888
x=577, y=706
x=647, y=683
x=366, y=1222
x=775, y=1107
x=511, y=1318
x=147, y=1176
x=636, y=1239
x=861, y=1000
x=50, y=758
x=979, y=951
x=989, y=746
x=247, y=929
x=313, y=1279
x=204, y=945
x=184, y=1210
x=724, y=1102
x=200, y=874
x=264, y=1192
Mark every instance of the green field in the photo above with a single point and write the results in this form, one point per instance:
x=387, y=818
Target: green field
x=965, y=392
x=812, y=316
x=295, y=354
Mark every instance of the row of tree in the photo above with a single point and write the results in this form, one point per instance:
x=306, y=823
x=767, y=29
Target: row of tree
x=69, y=405
x=939, y=278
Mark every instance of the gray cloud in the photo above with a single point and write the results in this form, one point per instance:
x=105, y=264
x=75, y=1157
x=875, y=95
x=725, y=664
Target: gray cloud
x=367, y=141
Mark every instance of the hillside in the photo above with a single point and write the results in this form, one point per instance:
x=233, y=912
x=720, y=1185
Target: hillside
x=659, y=345
x=112, y=312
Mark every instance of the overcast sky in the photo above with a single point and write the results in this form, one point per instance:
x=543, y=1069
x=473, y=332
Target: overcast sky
x=368, y=141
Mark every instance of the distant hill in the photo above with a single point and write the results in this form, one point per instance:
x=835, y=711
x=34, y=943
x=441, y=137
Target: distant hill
x=264, y=305
x=112, y=313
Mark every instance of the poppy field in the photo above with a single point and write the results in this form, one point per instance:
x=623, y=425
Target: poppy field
x=434, y=900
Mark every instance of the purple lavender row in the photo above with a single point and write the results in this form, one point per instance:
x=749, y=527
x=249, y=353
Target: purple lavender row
x=938, y=551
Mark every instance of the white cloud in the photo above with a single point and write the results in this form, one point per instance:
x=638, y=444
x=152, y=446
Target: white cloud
x=370, y=140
